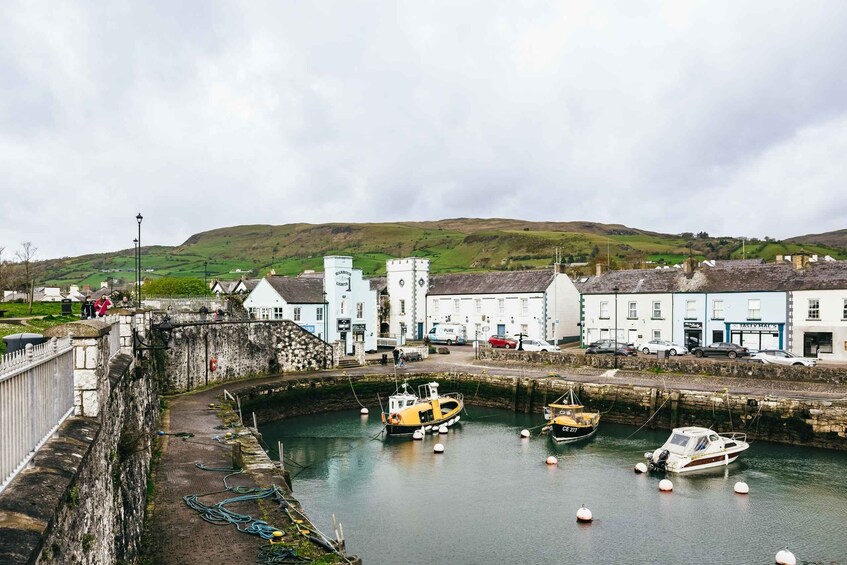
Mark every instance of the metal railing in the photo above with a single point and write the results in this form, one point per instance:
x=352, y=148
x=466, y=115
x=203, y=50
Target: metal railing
x=36, y=396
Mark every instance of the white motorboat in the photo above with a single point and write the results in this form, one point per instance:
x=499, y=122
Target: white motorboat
x=693, y=448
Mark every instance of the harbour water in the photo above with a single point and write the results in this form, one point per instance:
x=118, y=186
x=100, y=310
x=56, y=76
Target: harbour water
x=490, y=497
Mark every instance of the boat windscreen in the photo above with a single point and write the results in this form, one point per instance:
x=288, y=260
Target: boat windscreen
x=678, y=439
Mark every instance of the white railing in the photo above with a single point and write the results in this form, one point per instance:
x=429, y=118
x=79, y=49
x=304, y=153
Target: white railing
x=36, y=396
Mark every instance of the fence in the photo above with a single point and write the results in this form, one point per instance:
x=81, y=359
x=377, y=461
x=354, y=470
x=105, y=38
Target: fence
x=36, y=396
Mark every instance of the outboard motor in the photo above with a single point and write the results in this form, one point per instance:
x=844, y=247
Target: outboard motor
x=659, y=460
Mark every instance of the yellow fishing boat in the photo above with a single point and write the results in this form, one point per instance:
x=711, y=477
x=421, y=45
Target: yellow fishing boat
x=426, y=410
x=567, y=419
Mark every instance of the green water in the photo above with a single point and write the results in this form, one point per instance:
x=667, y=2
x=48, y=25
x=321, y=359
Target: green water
x=490, y=497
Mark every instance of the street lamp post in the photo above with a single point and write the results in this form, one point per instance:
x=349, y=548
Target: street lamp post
x=135, y=248
x=139, y=217
x=205, y=284
x=615, y=354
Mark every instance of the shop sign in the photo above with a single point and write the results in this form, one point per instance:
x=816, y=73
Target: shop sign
x=343, y=324
x=359, y=327
x=693, y=325
x=754, y=327
x=308, y=327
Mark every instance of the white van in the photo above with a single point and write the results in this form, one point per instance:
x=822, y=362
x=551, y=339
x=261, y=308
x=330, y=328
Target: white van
x=448, y=333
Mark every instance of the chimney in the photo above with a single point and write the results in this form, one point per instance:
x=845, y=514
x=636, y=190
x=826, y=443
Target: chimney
x=778, y=259
x=799, y=261
x=600, y=269
x=688, y=266
x=86, y=288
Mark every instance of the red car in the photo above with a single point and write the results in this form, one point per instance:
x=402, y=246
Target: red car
x=502, y=341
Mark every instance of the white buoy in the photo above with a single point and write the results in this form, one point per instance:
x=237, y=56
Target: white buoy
x=443, y=430
x=785, y=557
x=417, y=434
x=524, y=433
x=363, y=410
x=741, y=487
x=640, y=468
x=584, y=515
x=552, y=460
x=438, y=448
x=665, y=485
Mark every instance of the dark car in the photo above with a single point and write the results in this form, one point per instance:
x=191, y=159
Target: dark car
x=721, y=349
x=608, y=347
x=501, y=340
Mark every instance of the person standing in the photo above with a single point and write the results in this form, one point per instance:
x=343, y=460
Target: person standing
x=87, y=308
x=396, y=354
x=103, y=305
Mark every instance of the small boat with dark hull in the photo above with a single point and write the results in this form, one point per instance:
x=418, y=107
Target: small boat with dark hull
x=693, y=448
x=428, y=410
x=568, y=421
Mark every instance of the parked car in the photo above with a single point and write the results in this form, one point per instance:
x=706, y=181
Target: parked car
x=608, y=346
x=500, y=340
x=535, y=345
x=721, y=348
x=657, y=345
x=780, y=357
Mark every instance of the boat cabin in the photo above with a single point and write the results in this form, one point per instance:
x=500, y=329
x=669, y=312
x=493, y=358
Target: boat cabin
x=689, y=441
x=428, y=391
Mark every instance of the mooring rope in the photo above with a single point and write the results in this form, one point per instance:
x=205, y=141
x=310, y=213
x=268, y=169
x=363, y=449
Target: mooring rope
x=354, y=391
x=650, y=418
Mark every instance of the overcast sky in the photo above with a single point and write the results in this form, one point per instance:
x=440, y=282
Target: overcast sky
x=728, y=117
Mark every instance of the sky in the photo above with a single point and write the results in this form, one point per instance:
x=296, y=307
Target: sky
x=728, y=117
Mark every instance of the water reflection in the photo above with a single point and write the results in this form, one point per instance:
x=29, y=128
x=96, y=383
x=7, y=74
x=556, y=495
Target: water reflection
x=490, y=497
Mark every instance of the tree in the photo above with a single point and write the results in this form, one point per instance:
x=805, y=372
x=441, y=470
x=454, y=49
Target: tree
x=26, y=256
x=702, y=235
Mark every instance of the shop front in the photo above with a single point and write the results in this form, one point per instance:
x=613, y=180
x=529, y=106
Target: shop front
x=756, y=336
x=693, y=334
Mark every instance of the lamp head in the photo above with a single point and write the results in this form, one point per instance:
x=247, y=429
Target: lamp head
x=139, y=217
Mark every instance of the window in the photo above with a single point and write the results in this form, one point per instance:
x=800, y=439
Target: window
x=844, y=310
x=278, y=314
x=814, y=309
x=690, y=309
x=657, y=334
x=252, y=311
x=319, y=314
x=477, y=303
x=360, y=310
x=632, y=311
x=754, y=309
x=604, y=309
x=524, y=306
x=717, y=309
x=524, y=329
x=297, y=311
x=657, y=310
x=501, y=306
x=717, y=336
x=402, y=306
x=456, y=305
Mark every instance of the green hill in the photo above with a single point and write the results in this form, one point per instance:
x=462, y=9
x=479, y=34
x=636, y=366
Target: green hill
x=460, y=244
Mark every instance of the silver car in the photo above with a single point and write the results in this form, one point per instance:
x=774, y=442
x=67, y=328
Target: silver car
x=780, y=357
x=657, y=345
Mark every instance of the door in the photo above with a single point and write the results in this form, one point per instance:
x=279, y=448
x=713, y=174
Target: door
x=632, y=337
x=693, y=338
x=420, y=330
x=501, y=329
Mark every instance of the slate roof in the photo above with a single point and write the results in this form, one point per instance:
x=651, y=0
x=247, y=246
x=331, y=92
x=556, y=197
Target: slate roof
x=763, y=277
x=379, y=284
x=729, y=263
x=298, y=290
x=497, y=282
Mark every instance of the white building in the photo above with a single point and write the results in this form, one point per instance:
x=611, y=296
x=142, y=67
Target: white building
x=336, y=305
x=541, y=304
x=407, y=285
x=817, y=309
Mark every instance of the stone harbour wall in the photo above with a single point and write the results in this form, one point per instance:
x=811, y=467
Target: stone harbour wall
x=686, y=364
x=203, y=353
x=783, y=420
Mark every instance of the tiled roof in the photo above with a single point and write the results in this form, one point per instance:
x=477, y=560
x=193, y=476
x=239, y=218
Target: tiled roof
x=497, y=282
x=298, y=290
x=729, y=263
x=762, y=277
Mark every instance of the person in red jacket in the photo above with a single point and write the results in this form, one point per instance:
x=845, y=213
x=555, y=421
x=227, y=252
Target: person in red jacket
x=103, y=305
